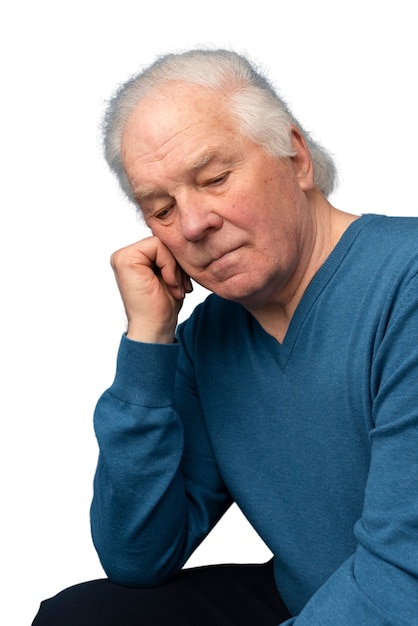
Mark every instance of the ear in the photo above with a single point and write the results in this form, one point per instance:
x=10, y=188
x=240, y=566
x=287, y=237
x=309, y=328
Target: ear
x=302, y=161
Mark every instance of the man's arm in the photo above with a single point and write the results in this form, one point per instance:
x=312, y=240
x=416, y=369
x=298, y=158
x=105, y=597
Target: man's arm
x=151, y=507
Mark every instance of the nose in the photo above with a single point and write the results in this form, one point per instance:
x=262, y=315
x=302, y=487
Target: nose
x=197, y=217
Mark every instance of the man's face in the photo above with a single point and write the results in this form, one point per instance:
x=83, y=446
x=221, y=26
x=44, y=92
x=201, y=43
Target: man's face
x=235, y=219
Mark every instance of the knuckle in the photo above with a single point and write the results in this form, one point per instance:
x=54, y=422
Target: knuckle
x=115, y=259
x=121, y=259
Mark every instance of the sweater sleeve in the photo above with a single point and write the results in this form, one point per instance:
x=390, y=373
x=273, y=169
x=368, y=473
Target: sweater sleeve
x=378, y=584
x=151, y=506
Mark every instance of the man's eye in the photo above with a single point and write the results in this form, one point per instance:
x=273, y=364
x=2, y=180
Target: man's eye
x=164, y=213
x=218, y=180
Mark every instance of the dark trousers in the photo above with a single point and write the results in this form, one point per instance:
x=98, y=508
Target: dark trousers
x=215, y=595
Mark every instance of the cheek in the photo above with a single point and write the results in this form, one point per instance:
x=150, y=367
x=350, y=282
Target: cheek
x=244, y=211
x=175, y=243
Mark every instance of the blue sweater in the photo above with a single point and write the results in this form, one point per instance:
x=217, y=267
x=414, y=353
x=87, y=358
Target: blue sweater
x=316, y=439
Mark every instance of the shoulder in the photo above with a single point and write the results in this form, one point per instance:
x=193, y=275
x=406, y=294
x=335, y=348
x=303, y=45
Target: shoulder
x=386, y=244
x=399, y=231
x=380, y=272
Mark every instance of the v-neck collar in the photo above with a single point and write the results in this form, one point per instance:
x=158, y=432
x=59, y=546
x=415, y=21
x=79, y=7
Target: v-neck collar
x=282, y=352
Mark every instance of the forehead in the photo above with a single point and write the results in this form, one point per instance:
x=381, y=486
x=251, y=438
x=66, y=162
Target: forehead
x=171, y=116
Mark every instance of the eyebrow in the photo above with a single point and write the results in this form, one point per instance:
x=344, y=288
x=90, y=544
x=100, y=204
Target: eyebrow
x=203, y=160
x=140, y=196
x=212, y=155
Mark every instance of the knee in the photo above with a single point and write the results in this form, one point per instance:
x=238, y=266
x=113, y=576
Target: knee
x=71, y=606
x=43, y=617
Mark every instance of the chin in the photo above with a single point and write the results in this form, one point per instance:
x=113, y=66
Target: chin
x=244, y=288
x=244, y=294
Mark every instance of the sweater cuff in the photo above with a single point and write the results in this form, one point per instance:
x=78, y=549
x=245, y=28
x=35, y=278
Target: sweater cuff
x=145, y=373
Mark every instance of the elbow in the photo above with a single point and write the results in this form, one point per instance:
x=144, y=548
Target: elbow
x=133, y=569
x=135, y=576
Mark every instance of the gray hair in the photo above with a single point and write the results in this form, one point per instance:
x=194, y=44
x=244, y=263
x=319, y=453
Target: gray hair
x=262, y=116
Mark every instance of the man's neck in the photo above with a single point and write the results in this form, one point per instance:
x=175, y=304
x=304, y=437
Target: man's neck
x=330, y=225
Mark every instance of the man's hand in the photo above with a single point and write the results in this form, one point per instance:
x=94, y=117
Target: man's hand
x=152, y=286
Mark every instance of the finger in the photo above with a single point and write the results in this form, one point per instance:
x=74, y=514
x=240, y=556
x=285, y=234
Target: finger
x=187, y=283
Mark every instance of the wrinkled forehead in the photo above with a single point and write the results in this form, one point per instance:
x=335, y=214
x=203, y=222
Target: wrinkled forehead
x=169, y=111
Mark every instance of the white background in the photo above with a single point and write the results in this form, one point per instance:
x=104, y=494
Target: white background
x=349, y=72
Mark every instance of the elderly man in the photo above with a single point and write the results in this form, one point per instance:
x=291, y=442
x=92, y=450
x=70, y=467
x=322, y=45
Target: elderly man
x=291, y=390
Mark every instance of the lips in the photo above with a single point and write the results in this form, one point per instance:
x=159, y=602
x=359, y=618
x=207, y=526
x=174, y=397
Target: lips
x=223, y=265
x=221, y=255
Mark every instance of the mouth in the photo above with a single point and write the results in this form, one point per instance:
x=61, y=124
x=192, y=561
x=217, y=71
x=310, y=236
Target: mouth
x=223, y=255
x=223, y=265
